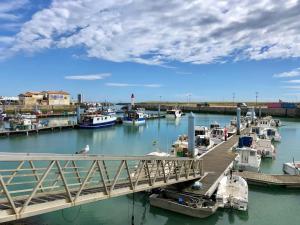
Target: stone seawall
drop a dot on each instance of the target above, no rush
(43, 108)
(280, 112)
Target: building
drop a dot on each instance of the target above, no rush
(31, 98)
(45, 98)
(57, 97)
(79, 98)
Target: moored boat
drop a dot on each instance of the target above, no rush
(184, 204)
(173, 113)
(96, 121)
(272, 134)
(247, 160)
(292, 168)
(233, 193)
(133, 117)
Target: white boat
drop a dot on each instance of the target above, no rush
(264, 123)
(276, 123)
(292, 168)
(214, 125)
(96, 121)
(233, 193)
(273, 122)
(173, 113)
(265, 148)
(203, 143)
(109, 111)
(249, 115)
(2, 116)
(92, 110)
(134, 117)
(247, 160)
(217, 135)
(202, 131)
(272, 134)
(28, 116)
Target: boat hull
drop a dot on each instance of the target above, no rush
(95, 126)
(289, 168)
(134, 122)
(168, 204)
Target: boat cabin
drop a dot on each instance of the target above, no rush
(201, 130)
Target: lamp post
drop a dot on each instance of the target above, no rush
(256, 96)
(233, 98)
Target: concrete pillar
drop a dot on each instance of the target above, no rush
(238, 121)
(78, 113)
(159, 109)
(252, 114)
(259, 112)
(191, 134)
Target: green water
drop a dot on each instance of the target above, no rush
(268, 206)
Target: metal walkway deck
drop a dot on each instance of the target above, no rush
(283, 180)
(215, 163)
(32, 184)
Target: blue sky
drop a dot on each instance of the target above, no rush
(107, 51)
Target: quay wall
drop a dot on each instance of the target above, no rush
(44, 108)
(227, 110)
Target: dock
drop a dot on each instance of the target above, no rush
(216, 162)
(37, 130)
(279, 180)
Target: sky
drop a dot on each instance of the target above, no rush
(170, 50)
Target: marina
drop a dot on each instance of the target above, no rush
(212, 169)
(149, 112)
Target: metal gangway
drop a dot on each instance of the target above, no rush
(33, 184)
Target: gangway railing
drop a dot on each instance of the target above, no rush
(33, 184)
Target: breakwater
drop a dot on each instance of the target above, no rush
(226, 110)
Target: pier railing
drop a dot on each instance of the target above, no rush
(32, 184)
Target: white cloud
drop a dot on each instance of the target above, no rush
(292, 81)
(157, 32)
(8, 8)
(292, 73)
(88, 76)
(292, 87)
(133, 85)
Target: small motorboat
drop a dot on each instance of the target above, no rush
(265, 148)
(272, 134)
(173, 113)
(247, 160)
(233, 193)
(217, 135)
(203, 143)
(292, 168)
(184, 204)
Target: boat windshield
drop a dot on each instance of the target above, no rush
(202, 141)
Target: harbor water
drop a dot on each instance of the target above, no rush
(267, 206)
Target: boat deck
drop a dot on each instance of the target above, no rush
(283, 180)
